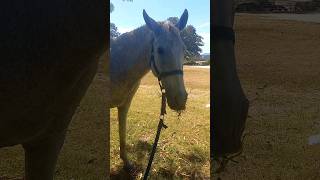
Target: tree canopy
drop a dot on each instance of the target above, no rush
(112, 6)
(113, 28)
(113, 31)
(192, 41)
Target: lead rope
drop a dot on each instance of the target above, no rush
(160, 126)
(224, 160)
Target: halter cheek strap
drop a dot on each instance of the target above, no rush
(159, 74)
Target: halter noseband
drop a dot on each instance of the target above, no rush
(159, 74)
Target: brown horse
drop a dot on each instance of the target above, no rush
(49, 55)
(155, 46)
(230, 104)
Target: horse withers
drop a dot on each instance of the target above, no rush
(156, 46)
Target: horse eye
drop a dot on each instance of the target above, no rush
(160, 50)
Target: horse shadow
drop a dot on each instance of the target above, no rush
(142, 149)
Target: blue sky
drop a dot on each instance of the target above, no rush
(128, 15)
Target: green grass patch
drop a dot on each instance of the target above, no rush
(184, 147)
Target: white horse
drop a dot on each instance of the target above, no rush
(155, 46)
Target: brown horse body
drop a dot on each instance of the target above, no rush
(231, 105)
(49, 56)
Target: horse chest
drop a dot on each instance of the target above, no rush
(120, 94)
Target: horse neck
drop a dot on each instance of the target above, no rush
(130, 56)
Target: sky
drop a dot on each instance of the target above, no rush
(128, 15)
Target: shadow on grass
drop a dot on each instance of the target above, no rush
(141, 150)
(193, 170)
(194, 162)
(121, 174)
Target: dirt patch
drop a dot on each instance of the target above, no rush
(278, 65)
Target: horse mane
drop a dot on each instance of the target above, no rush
(138, 33)
(127, 49)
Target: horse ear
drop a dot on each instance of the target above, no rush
(152, 24)
(183, 20)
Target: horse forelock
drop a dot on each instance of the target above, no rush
(168, 26)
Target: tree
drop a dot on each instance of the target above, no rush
(111, 7)
(191, 39)
(114, 31)
(113, 28)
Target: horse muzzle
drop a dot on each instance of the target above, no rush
(178, 102)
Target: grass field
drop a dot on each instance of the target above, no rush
(279, 67)
(183, 149)
(85, 153)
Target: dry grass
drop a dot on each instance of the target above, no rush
(84, 154)
(279, 67)
(183, 149)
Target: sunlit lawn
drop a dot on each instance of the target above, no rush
(183, 149)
